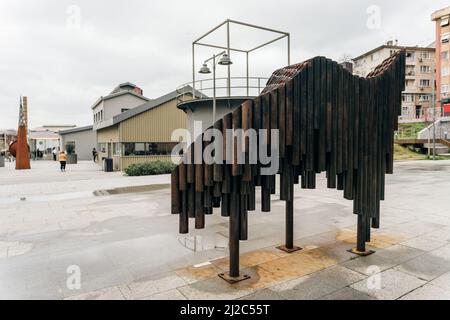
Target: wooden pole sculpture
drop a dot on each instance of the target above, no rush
(22, 152)
(327, 120)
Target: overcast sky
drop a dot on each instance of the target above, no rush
(64, 55)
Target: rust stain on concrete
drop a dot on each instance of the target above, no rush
(193, 274)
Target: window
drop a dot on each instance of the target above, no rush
(424, 97)
(410, 83)
(101, 147)
(410, 55)
(444, 88)
(445, 37)
(444, 55)
(444, 71)
(425, 55)
(410, 71)
(408, 98)
(147, 148)
(444, 21)
(116, 149)
(405, 111)
(424, 83)
(425, 69)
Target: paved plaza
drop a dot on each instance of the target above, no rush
(118, 232)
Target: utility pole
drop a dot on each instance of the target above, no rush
(433, 105)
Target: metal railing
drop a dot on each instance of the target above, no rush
(239, 87)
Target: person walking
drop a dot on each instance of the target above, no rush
(63, 160)
(54, 152)
(95, 154)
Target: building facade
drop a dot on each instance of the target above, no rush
(43, 139)
(142, 133)
(442, 20)
(83, 139)
(124, 97)
(420, 67)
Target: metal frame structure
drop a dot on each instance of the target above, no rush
(229, 49)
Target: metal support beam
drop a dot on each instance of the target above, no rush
(193, 71)
(229, 51)
(219, 47)
(361, 238)
(267, 43)
(289, 246)
(234, 276)
(247, 75)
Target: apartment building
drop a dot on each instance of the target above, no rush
(420, 66)
(442, 20)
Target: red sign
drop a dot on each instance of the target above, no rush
(447, 108)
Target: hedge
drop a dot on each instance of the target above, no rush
(150, 168)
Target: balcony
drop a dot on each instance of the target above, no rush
(196, 99)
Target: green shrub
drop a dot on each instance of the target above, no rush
(150, 168)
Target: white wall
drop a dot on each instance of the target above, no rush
(84, 142)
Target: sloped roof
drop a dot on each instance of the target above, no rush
(74, 130)
(118, 94)
(146, 107)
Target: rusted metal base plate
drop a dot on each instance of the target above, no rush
(361, 253)
(289, 250)
(233, 280)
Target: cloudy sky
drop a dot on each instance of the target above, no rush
(63, 54)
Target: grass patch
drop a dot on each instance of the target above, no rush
(410, 130)
(402, 153)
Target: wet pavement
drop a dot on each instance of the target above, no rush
(118, 232)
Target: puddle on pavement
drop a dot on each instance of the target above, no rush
(131, 189)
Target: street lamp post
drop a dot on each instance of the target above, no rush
(224, 61)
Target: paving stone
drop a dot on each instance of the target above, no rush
(426, 267)
(145, 288)
(347, 293)
(266, 295)
(368, 265)
(338, 276)
(192, 274)
(442, 234)
(392, 285)
(173, 294)
(397, 254)
(423, 243)
(442, 281)
(105, 294)
(304, 288)
(213, 289)
(427, 292)
(443, 252)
